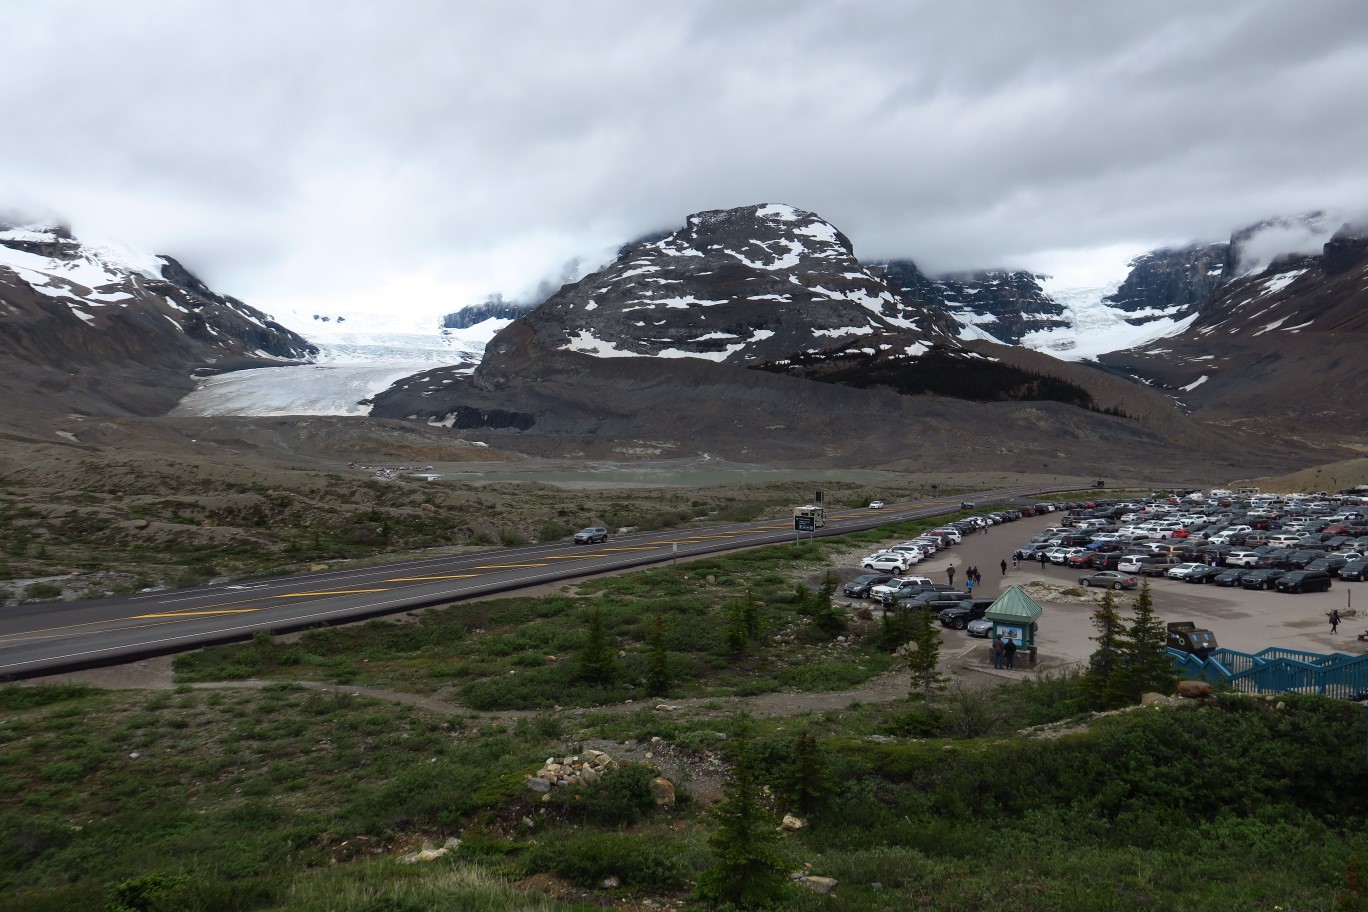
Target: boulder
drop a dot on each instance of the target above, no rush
(1193, 690)
(538, 784)
(1151, 698)
(819, 885)
(663, 791)
(791, 823)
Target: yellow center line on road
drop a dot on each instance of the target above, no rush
(575, 556)
(179, 614)
(418, 579)
(328, 592)
(507, 566)
(634, 548)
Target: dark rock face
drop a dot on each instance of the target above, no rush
(494, 308)
(1172, 283)
(113, 334)
(732, 286)
(1279, 350)
(1006, 305)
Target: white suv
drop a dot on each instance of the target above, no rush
(1242, 559)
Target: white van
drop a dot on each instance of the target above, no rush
(1284, 540)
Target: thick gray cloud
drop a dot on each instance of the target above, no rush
(424, 153)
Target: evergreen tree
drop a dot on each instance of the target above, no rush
(749, 873)
(1145, 666)
(805, 780)
(1102, 680)
(596, 662)
(743, 622)
(826, 619)
(658, 679)
(923, 653)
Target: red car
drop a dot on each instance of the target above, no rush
(1081, 561)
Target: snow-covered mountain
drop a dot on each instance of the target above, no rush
(88, 300)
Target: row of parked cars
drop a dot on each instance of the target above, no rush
(1291, 545)
(896, 590)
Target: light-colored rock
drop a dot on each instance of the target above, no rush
(1152, 697)
(791, 823)
(317, 568)
(663, 791)
(538, 784)
(819, 885)
(611, 883)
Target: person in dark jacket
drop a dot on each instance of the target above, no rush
(1009, 649)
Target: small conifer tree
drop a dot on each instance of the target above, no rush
(658, 679)
(748, 874)
(1102, 682)
(1145, 666)
(596, 662)
(805, 780)
(923, 654)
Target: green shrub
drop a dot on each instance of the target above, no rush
(619, 797)
(587, 859)
(38, 591)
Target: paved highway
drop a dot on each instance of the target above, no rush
(62, 636)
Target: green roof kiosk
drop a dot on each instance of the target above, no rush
(1014, 615)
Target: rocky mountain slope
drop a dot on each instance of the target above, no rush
(1280, 349)
(651, 354)
(102, 331)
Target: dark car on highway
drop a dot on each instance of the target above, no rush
(1261, 578)
(859, 587)
(1303, 581)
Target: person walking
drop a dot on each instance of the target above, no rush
(997, 652)
(1004, 566)
(1014, 561)
(969, 584)
(1009, 649)
(1334, 620)
(950, 575)
(978, 577)
(1041, 554)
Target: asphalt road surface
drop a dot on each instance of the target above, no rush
(49, 637)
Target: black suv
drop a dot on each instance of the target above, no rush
(911, 590)
(859, 587)
(1303, 581)
(935, 599)
(967, 610)
(1261, 578)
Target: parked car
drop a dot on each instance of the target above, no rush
(1354, 570)
(1232, 577)
(859, 587)
(1242, 558)
(591, 536)
(888, 561)
(959, 617)
(1109, 579)
(1303, 581)
(980, 628)
(1205, 575)
(1180, 571)
(1331, 564)
(935, 599)
(880, 591)
(1261, 578)
(1157, 565)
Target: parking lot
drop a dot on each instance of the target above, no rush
(1241, 619)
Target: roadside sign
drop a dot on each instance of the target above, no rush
(803, 524)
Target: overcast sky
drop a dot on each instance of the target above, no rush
(421, 154)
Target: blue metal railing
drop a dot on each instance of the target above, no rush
(1277, 670)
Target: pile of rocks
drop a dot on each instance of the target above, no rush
(575, 770)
